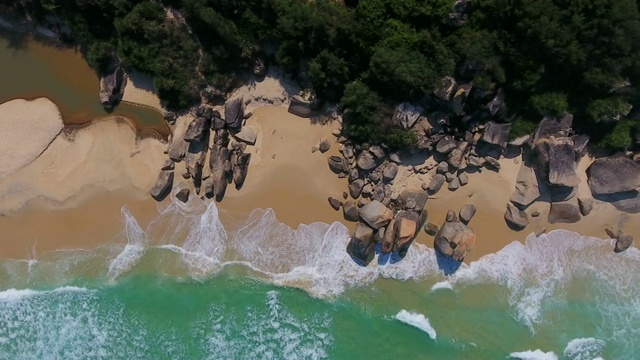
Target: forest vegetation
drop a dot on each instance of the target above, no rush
(548, 56)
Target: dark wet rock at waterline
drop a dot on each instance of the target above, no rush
(163, 185)
(183, 195)
(516, 219)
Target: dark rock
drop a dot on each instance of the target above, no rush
(221, 138)
(112, 87)
(366, 161)
(463, 178)
(361, 248)
(436, 184)
(376, 214)
(375, 177)
(451, 216)
(492, 163)
(218, 124)
(377, 152)
(414, 200)
(586, 205)
(197, 129)
(560, 161)
(389, 237)
(615, 174)
(345, 195)
(395, 158)
(390, 172)
(623, 242)
(407, 114)
(580, 143)
(240, 165)
(168, 165)
(301, 107)
(324, 146)
(446, 89)
(234, 113)
(213, 96)
(445, 145)
(564, 212)
(466, 213)
(455, 239)
(550, 126)
(163, 185)
(475, 161)
(449, 177)
(354, 174)
(350, 211)
(535, 214)
(628, 202)
(442, 168)
(497, 134)
(562, 193)
(355, 188)
(220, 166)
(378, 194)
(260, 65)
(431, 229)
(170, 116)
(337, 164)
(335, 203)
(496, 106)
(527, 189)
(460, 98)
(454, 184)
(515, 218)
(456, 156)
(183, 195)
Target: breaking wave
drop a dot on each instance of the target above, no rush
(417, 320)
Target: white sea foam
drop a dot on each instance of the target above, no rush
(442, 285)
(584, 349)
(133, 251)
(269, 334)
(534, 355)
(15, 294)
(417, 320)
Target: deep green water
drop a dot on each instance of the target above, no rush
(186, 288)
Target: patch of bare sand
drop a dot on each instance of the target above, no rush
(27, 127)
(140, 90)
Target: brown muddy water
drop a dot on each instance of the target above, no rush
(32, 68)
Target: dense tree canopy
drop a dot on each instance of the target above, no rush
(548, 56)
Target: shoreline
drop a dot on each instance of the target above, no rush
(284, 175)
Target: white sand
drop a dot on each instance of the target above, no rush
(141, 90)
(27, 127)
(100, 158)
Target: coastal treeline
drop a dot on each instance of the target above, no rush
(547, 56)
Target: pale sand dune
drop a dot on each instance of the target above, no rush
(141, 90)
(27, 127)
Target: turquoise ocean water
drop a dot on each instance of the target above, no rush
(187, 288)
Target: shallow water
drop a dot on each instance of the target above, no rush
(186, 287)
(34, 68)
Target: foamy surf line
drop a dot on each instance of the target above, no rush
(418, 321)
(15, 295)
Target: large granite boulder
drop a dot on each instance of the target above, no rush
(112, 86)
(361, 248)
(366, 161)
(455, 239)
(337, 164)
(466, 213)
(220, 166)
(564, 212)
(550, 126)
(234, 113)
(303, 105)
(615, 174)
(497, 134)
(436, 184)
(197, 130)
(163, 185)
(516, 218)
(240, 166)
(527, 189)
(375, 214)
(390, 172)
(556, 161)
(407, 114)
(405, 230)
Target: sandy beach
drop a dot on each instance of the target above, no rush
(74, 190)
(140, 90)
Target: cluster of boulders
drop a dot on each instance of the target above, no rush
(455, 238)
(391, 228)
(227, 160)
(112, 84)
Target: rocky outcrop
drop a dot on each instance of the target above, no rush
(527, 190)
(455, 239)
(234, 113)
(197, 130)
(497, 134)
(564, 212)
(516, 218)
(220, 166)
(163, 185)
(406, 115)
(361, 248)
(375, 214)
(112, 85)
(615, 174)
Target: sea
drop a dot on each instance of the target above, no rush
(185, 287)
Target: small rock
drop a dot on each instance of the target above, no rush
(345, 195)
(443, 168)
(535, 214)
(431, 229)
(454, 184)
(183, 195)
(324, 146)
(390, 172)
(451, 216)
(356, 187)
(586, 205)
(449, 177)
(395, 158)
(492, 163)
(516, 218)
(463, 178)
(436, 184)
(335, 203)
(168, 165)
